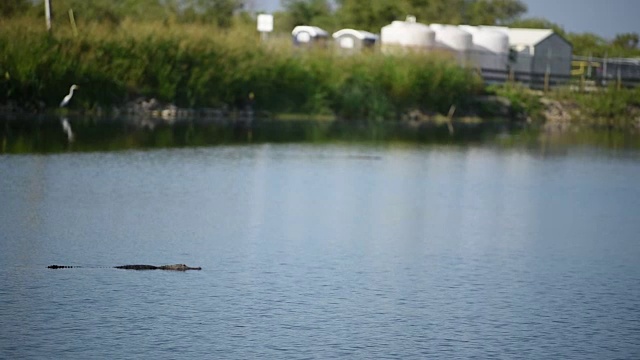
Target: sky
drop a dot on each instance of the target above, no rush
(601, 17)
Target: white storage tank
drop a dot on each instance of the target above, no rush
(407, 34)
(436, 27)
(455, 40)
(490, 52)
(502, 29)
(452, 37)
(469, 28)
(492, 40)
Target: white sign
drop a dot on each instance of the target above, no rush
(265, 23)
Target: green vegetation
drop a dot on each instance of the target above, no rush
(371, 15)
(206, 53)
(623, 45)
(201, 66)
(220, 12)
(610, 108)
(523, 101)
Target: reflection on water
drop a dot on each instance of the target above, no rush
(323, 250)
(42, 134)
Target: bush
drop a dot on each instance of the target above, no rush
(204, 66)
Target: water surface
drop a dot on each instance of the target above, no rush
(322, 251)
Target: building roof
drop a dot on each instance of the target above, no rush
(312, 30)
(360, 34)
(527, 37)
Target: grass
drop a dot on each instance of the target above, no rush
(608, 102)
(195, 65)
(203, 66)
(610, 107)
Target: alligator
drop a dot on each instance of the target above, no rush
(175, 267)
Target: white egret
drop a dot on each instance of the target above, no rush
(67, 98)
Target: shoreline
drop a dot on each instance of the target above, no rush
(208, 74)
(549, 112)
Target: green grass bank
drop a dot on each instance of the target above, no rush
(202, 66)
(568, 109)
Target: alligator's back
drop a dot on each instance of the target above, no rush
(137, 267)
(174, 267)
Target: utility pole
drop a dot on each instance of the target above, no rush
(47, 14)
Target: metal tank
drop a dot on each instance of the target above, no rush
(452, 37)
(454, 40)
(492, 40)
(490, 51)
(408, 33)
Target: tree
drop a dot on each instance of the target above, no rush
(370, 15)
(588, 44)
(108, 11)
(494, 12)
(306, 12)
(10, 8)
(627, 41)
(219, 12)
(437, 11)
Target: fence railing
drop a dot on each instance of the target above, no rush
(607, 71)
(545, 81)
(533, 80)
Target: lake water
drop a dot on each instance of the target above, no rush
(322, 251)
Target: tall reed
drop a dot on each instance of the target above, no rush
(203, 66)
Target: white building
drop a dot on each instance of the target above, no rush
(350, 39)
(308, 35)
(539, 51)
(529, 53)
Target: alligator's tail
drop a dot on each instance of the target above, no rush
(61, 267)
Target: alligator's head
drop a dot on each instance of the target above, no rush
(179, 267)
